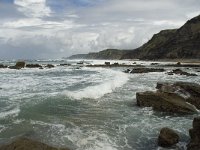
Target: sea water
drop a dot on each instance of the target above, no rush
(85, 108)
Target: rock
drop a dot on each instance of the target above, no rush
(127, 71)
(167, 137)
(49, 66)
(194, 143)
(107, 63)
(33, 66)
(178, 97)
(20, 64)
(164, 102)
(178, 63)
(65, 64)
(146, 70)
(180, 72)
(28, 144)
(116, 64)
(3, 66)
(153, 64)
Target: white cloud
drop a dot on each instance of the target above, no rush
(33, 8)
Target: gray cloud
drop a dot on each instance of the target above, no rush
(52, 29)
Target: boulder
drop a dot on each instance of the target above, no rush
(180, 72)
(28, 144)
(20, 64)
(33, 66)
(146, 70)
(127, 71)
(165, 102)
(167, 137)
(107, 63)
(194, 143)
(49, 66)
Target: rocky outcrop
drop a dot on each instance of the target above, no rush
(194, 143)
(3, 66)
(167, 137)
(18, 65)
(180, 97)
(28, 144)
(49, 66)
(146, 70)
(180, 72)
(33, 66)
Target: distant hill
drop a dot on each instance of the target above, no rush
(105, 54)
(182, 43)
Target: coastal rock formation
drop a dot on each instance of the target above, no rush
(49, 66)
(146, 70)
(18, 65)
(180, 72)
(28, 144)
(194, 143)
(33, 66)
(3, 66)
(180, 97)
(167, 137)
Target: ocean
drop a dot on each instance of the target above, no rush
(85, 108)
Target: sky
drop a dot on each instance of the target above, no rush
(40, 29)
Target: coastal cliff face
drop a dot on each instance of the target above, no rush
(171, 44)
(182, 43)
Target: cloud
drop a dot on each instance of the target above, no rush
(54, 29)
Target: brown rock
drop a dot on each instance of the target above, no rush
(194, 143)
(167, 137)
(20, 64)
(28, 144)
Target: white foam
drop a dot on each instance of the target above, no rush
(115, 80)
(13, 112)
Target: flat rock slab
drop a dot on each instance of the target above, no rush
(28, 144)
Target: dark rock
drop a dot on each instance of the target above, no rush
(127, 71)
(80, 63)
(20, 64)
(107, 63)
(153, 64)
(178, 63)
(167, 137)
(116, 64)
(194, 143)
(146, 70)
(165, 102)
(65, 64)
(3, 66)
(180, 72)
(33, 66)
(28, 144)
(13, 67)
(49, 66)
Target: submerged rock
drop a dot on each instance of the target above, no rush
(146, 70)
(179, 97)
(194, 143)
(167, 137)
(33, 66)
(3, 66)
(180, 72)
(28, 144)
(49, 66)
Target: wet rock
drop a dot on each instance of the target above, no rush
(20, 64)
(65, 64)
(146, 70)
(194, 143)
(153, 64)
(164, 102)
(167, 137)
(116, 64)
(3, 66)
(178, 63)
(49, 66)
(28, 144)
(180, 72)
(107, 63)
(127, 71)
(33, 66)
